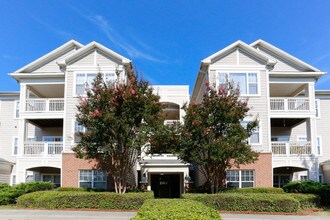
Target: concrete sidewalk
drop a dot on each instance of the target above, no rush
(25, 214)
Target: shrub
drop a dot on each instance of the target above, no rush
(71, 189)
(76, 199)
(308, 186)
(270, 190)
(4, 186)
(307, 201)
(167, 209)
(8, 194)
(259, 202)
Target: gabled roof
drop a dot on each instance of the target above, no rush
(50, 56)
(244, 47)
(3, 161)
(283, 54)
(88, 48)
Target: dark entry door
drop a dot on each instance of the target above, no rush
(165, 186)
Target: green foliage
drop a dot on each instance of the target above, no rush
(269, 190)
(213, 136)
(172, 209)
(8, 194)
(90, 200)
(308, 186)
(307, 201)
(119, 119)
(258, 202)
(77, 189)
(4, 186)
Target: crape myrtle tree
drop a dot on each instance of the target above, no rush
(119, 119)
(213, 136)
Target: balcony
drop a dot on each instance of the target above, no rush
(44, 105)
(291, 148)
(42, 149)
(289, 104)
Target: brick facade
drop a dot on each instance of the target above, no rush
(263, 170)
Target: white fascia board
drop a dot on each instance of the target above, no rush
(89, 47)
(19, 76)
(51, 54)
(243, 46)
(283, 54)
(297, 74)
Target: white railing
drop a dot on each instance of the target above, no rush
(291, 148)
(289, 104)
(44, 105)
(33, 148)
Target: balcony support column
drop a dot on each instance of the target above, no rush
(22, 134)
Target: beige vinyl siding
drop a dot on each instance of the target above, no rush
(52, 66)
(230, 59)
(323, 127)
(258, 104)
(281, 65)
(5, 171)
(299, 130)
(103, 60)
(247, 60)
(8, 129)
(87, 60)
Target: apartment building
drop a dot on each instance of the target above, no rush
(292, 137)
(37, 124)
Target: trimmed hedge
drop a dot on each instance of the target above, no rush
(76, 199)
(258, 202)
(167, 209)
(307, 201)
(308, 186)
(269, 190)
(9, 194)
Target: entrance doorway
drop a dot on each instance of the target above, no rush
(165, 186)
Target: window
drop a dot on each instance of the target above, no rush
(52, 138)
(56, 179)
(317, 108)
(318, 146)
(13, 180)
(247, 82)
(302, 138)
(321, 178)
(16, 113)
(84, 81)
(255, 136)
(303, 177)
(15, 145)
(78, 128)
(93, 179)
(240, 178)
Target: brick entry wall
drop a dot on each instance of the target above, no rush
(263, 170)
(70, 169)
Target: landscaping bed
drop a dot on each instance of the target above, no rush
(78, 199)
(167, 209)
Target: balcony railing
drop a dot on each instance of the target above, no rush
(44, 105)
(291, 148)
(34, 148)
(289, 104)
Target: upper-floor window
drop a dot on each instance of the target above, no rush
(84, 81)
(317, 108)
(247, 82)
(255, 136)
(16, 112)
(78, 128)
(318, 146)
(15, 146)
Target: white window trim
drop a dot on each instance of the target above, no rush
(321, 149)
(240, 178)
(241, 71)
(260, 132)
(92, 181)
(318, 107)
(13, 147)
(15, 108)
(74, 131)
(300, 175)
(86, 72)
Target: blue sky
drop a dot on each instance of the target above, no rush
(166, 39)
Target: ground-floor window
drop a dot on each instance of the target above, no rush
(93, 179)
(240, 178)
(281, 180)
(56, 179)
(303, 177)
